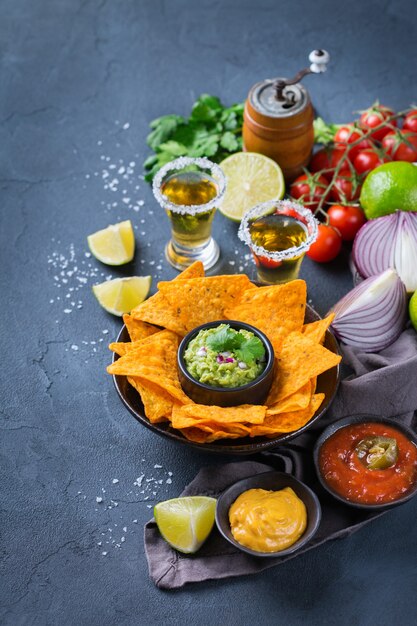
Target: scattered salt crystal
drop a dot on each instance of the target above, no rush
(99, 543)
(99, 499)
(104, 553)
(168, 481)
(125, 529)
(156, 466)
(126, 126)
(135, 521)
(122, 539)
(115, 480)
(170, 474)
(67, 310)
(149, 506)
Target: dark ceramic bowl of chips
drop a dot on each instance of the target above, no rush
(254, 392)
(270, 481)
(327, 383)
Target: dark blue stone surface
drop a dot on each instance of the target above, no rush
(80, 81)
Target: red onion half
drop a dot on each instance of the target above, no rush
(373, 314)
(389, 241)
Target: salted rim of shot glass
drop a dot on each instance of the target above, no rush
(265, 209)
(194, 209)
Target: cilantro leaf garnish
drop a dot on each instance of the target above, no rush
(250, 350)
(211, 130)
(246, 349)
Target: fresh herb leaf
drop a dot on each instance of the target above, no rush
(227, 339)
(212, 130)
(229, 142)
(324, 133)
(250, 350)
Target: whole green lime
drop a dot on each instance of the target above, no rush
(413, 310)
(390, 187)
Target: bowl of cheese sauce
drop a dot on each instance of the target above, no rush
(270, 514)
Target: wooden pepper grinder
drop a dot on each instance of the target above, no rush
(278, 118)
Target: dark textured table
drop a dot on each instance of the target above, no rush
(80, 82)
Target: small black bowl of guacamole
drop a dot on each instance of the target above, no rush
(226, 363)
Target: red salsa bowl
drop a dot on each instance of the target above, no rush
(368, 462)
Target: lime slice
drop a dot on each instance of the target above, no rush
(121, 295)
(389, 187)
(413, 310)
(185, 523)
(114, 245)
(251, 178)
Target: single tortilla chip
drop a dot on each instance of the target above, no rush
(300, 360)
(155, 361)
(197, 301)
(287, 422)
(276, 310)
(300, 399)
(123, 347)
(316, 331)
(156, 402)
(137, 329)
(158, 310)
(207, 433)
(195, 414)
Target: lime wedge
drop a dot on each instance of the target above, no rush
(413, 310)
(185, 523)
(251, 178)
(121, 295)
(114, 245)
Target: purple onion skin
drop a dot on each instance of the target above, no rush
(387, 329)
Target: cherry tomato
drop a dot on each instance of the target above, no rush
(325, 161)
(368, 159)
(346, 188)
(309, 188)
(327, 245)
(269, 263)
(395, 145)
(347, 219)
(374, 116)
(410, 121)
(348, 134)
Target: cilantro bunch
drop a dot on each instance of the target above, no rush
(212, 130)
(246, 349)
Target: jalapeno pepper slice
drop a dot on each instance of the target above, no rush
(377, 453)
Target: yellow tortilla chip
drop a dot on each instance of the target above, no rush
(287, 422)
(155, 361)
(300, 399)
(156, 402)
(207, 433)
(300, 360)
(137, 329)
(316, 331)
(196, 414)
(276, 310)
(157, 309)
(199, 300)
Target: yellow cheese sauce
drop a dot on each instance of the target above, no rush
(268, 521)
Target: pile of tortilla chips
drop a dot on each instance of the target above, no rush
(157, 326)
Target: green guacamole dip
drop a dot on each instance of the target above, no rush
(221, 365)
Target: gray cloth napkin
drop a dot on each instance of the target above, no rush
(383, 384)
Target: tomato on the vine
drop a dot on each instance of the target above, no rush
(401, 146)
(346, 188)
(327, 245)
(347, 135)
(410, 121)
(348, 219)
(368, 159)
(309, 188)
(326, 159)
(265, 262)
(374, 116)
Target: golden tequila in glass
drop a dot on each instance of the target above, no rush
(190, 190)
(279, 233)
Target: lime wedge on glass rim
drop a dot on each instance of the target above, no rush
(121, 295)
(185, 523)
(114, 245)
(251, 178)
